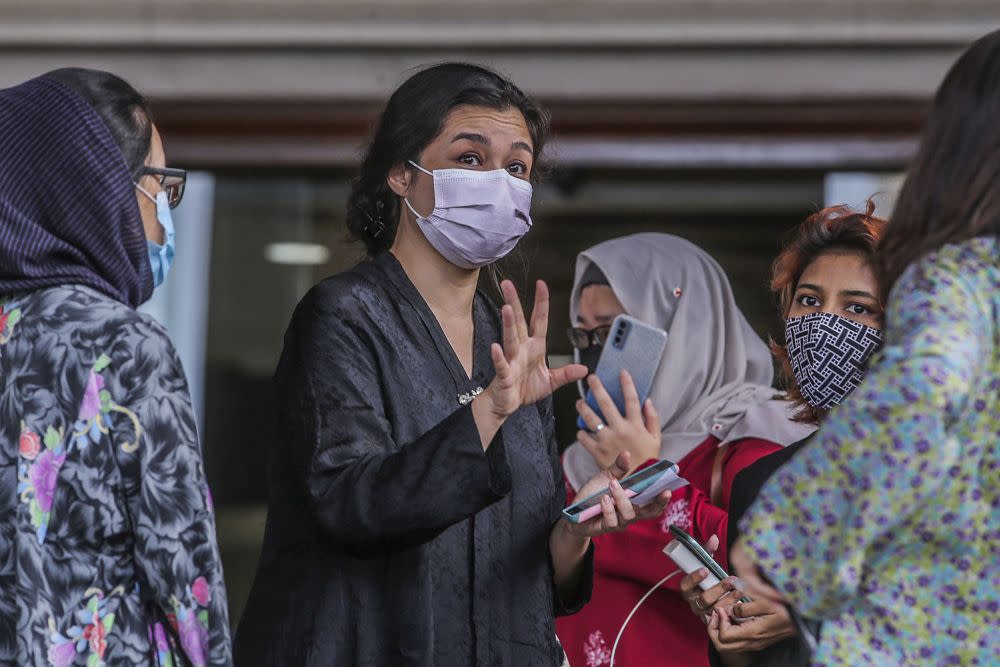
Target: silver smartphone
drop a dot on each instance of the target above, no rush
(633, 346)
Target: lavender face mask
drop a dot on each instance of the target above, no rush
(478, 216)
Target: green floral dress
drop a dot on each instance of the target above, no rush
(887, 526)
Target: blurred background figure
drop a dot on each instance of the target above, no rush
(723, 123)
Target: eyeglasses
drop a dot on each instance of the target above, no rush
(171, 180)
(582, 339)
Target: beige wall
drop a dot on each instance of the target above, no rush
(600, 56)
(562, 49)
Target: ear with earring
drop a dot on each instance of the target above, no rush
(376, 225)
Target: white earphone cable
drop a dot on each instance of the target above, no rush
(614, 649)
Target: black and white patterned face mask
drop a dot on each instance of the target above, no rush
(828, 353)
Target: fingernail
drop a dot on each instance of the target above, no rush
(738, 584)
(702, 572)
(616, 485)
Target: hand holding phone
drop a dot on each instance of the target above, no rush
(633, 346)
(690, 556)
(637, 430)
(641, 487)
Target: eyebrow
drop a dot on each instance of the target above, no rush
(482, 139)
(846, 292)
(473, 137)
(858, 292)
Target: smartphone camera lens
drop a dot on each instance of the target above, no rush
(620, 335)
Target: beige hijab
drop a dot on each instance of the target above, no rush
(715, 375)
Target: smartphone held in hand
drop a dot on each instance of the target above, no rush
(642, 487)
(690, 556)
(632, 346)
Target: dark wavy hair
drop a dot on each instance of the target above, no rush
(123, 109)
(952, 190)
(412, 119)
(832, 229)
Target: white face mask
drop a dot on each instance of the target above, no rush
(478, 216)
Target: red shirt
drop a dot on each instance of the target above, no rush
(627, 564)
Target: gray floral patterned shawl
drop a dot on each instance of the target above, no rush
(107, 541)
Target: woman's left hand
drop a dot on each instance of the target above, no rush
(764, 622)
(523, 376)
(636, 432)
(617, 511)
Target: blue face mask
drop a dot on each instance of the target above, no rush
(161, 256)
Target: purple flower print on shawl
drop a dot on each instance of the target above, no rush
(43, 474)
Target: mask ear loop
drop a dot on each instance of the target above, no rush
(429, 173)
(412, 210)
(167, 231)
(144, 191)
(407, 201)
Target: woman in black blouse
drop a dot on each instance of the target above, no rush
(414, 516)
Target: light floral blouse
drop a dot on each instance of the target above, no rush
(108, 553)
(887, 525)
